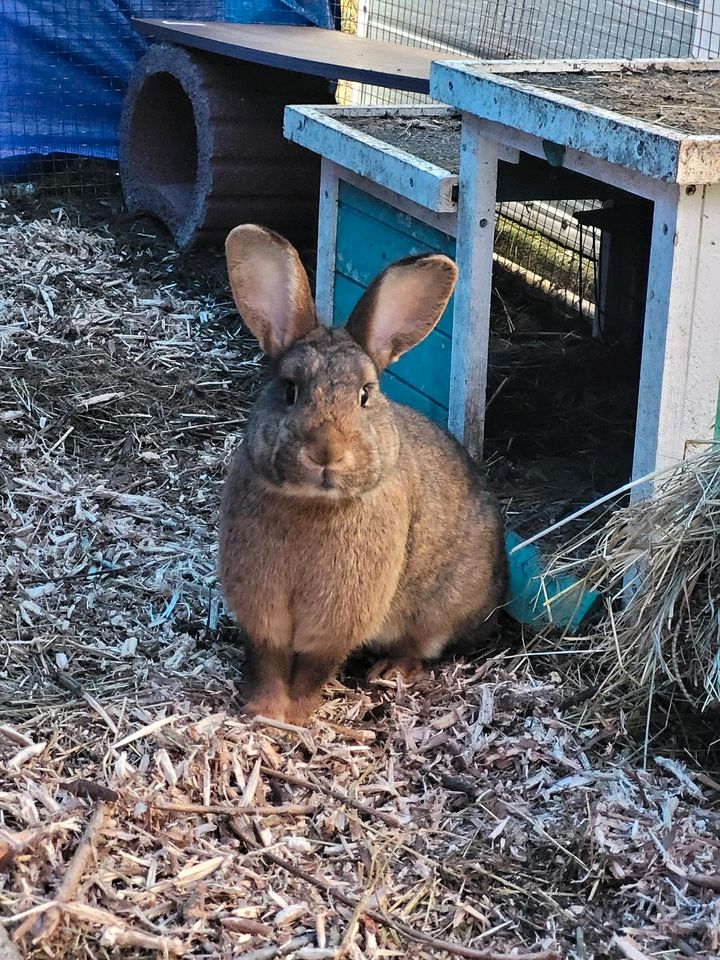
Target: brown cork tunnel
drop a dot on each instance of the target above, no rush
(202, 148)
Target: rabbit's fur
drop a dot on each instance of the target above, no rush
(347, 519)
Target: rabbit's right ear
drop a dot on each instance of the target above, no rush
(270, 287)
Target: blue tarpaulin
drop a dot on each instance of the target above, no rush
(64, 66)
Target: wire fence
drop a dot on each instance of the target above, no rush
(527, 29)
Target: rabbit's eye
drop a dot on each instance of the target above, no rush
(290, 392)
(364, 396)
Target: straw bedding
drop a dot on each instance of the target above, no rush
(662, 554)
(479, 813)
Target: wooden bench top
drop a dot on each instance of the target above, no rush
(323, 53)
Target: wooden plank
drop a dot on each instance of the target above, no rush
(340, 111)
(427, 367)
(557, 119)
(669, 301)
(680, 373)
(326, 243)
(393, 239)
(471, 316)
(436, 231)
(653, 150)
(380, 244)
(347, 294)
(700, 342)
(410, 111)
(618, 177)
(532, 178)
(578, 65)
(426, 183)
(323, 53)
(443, 222)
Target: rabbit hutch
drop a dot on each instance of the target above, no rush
(400, 180)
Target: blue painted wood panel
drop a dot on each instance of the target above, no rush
(346, 294)
(401, 392)
(423, 233)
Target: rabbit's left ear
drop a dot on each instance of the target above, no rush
(270, 287)
(402, 305)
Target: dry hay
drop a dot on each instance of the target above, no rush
(141, 816)
(656, 565)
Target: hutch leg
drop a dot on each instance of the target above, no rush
(471, 317)
(327, 235)
(680, 373)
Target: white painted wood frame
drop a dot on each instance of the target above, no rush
(326, 242)
(680, 374)
(474, 257)
(322, 130)
(654, 150)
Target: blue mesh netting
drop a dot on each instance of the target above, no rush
(64, 66)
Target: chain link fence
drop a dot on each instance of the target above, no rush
(528, 29)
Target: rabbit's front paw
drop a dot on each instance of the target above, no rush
(274, 708)
(300, 711)
(386, 668)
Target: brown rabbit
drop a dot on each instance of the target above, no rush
(347, 519)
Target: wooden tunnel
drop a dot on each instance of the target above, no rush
(202, 148)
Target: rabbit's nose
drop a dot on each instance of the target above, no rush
(327, 448)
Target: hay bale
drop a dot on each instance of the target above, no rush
(656, 564)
